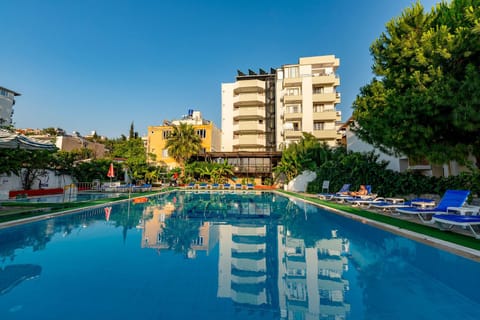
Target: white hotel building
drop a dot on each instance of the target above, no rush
(267, 111)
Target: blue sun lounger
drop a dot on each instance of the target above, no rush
(390, 205)
(451, 198)
(329, 196)
(448, 221)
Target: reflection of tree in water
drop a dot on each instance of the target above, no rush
(180, 232)
(38, 234)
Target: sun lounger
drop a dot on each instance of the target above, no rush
(451, 198)
(191, 185)
(328, 196)
(391, 204)
(365, 202)
(448, 221)
(349, 198)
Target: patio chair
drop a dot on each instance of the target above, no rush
(451, 198)
(249, 186)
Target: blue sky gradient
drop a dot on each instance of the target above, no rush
(103, 64)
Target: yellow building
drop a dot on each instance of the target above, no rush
(158, 135)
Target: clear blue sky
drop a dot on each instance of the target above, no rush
(85, 65)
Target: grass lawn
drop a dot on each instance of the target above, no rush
(428, 230)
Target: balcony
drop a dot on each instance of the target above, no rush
(290, 99)
(326, 116)
(325, 97)
(292, 82)
(326, 79)
(249, 99)
(249, 127)
(326, 134)
(245, 86)
(249, 140)
(248, 113)
(293, 116)
(293, 134)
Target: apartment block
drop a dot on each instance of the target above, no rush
(7, 101)
(157, 137)
(268, 111)
(248, 112)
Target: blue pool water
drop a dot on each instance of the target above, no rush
(226, 256)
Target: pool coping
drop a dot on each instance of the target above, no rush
(457, 249)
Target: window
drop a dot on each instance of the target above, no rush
(293, 91)
(166, 134)
(318, 90)
(318, 107)
(318, 125)
(202, 133)
(293, 108)
(296, 126)
(291, 72)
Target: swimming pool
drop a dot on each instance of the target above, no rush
(69, 197)
(226, 256)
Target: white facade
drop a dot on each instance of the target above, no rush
(268, 111)
(227, 117)
(398, 164)
(7, 100)
(307, 97)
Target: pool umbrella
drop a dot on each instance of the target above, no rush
(111, 172)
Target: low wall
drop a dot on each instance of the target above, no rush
(34, 193)
(49, 181)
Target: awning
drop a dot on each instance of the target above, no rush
(9, 140)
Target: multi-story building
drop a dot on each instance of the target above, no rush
(7, 100)
(248, 112)
(158, 135)
(306, 100)
(268, 111)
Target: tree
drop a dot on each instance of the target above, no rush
(183, 143)
(425, 101)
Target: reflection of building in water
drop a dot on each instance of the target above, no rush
(311, 278)
(245, 273)
(153, 223)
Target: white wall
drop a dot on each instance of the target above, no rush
(49, 181)
(356, 145)
(227, 117)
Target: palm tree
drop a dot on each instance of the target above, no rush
(183, 143)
